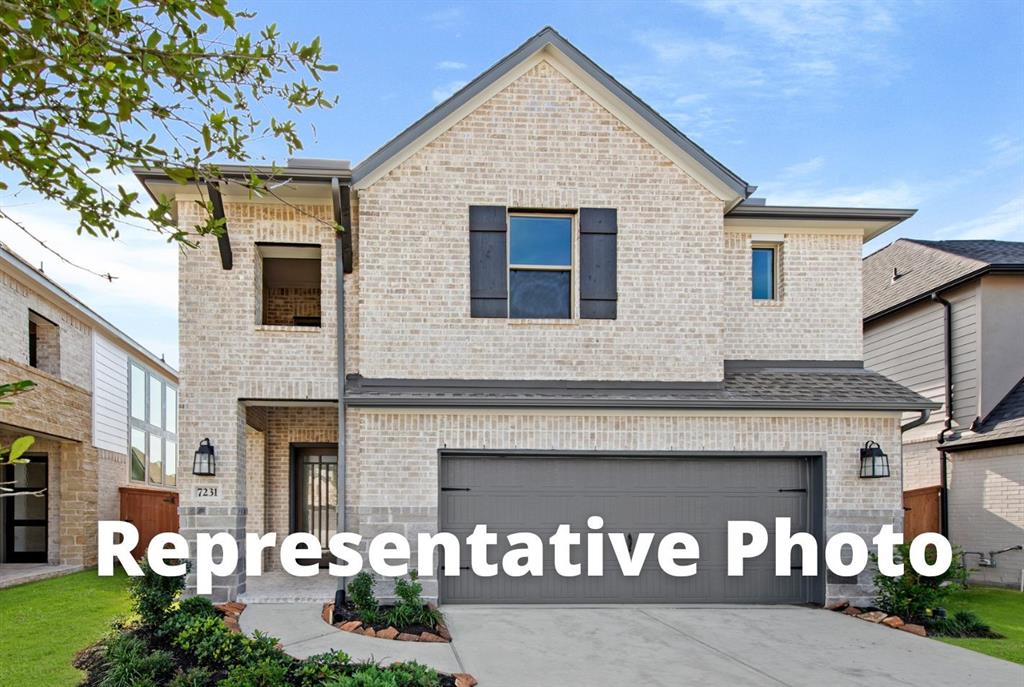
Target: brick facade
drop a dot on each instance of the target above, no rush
(986, 509)
(684, 307)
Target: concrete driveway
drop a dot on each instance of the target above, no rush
(657, 645)
(654, 645)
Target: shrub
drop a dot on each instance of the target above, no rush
(194, 677)
(360, 591)
(153, 595)
(367, 676)
(316, 670)
(128, 662)
(414, 674)
(213, 645)
(266, 673)
(193, 607)
(911, 595)
(410, 608)
(962, 624)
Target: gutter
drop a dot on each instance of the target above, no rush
(342, 216)
(947, 424)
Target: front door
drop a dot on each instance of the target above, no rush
(25, 508)
(315, 489)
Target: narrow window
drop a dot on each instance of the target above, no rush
(43, 344)
(540, 266)
(153, 406)
(138, 467)
(138, 392)
(764, 268)
(289, 288)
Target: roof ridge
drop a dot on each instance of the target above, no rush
(925, 243)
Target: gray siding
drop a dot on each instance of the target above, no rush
(907, 347)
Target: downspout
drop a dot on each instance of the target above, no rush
(947, 425)
(343, 217)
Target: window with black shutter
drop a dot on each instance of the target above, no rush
(523, 264)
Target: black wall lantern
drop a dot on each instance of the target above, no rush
(873, 461)
(205, 461)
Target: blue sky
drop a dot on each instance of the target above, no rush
(909, 104)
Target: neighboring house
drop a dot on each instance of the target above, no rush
(103, 413)
(554, 305)
(933, 304)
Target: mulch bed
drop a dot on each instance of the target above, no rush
(351, 622)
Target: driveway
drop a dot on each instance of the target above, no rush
(659, 645)
(655, 645)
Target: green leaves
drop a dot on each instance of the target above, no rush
(89, 89)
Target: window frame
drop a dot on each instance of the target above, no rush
(776, 248)
(286, 251)
(152, 433)
(571, 268)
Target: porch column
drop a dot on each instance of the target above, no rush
(213, 503)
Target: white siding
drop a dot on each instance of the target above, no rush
(109, 396)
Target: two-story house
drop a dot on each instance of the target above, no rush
(548, 304)
(103, 413)
(946, 318)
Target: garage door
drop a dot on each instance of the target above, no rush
(656, 493)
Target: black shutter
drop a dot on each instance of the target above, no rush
(598, 237)
(488, 267)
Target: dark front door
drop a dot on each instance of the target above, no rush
(25, 529)
(315, 492)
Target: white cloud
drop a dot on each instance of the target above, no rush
(1003, 222)
(691, 99)
(801, 169)
(450, 66)
(442, 93)
(895, 194)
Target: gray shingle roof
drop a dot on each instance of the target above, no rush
(768, 385)
(925, 266)
(1005, 422)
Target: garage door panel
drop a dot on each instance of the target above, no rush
(633, 494)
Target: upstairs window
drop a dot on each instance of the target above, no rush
(764, 272)
(540, 264)
(288, 284)
(43, 344)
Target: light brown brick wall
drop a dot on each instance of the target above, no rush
(540, 143)
(817, 313)
(921, 466)
(282, 305)
(986, 509)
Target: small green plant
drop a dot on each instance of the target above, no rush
(153, 595)
(410, 608)
(911, 595)
(266, 673)
(360, 591)
(962, 624)
(367, 676)
(414, 674)
(193, 607)
(129, 662)
(194, 677)
(321, 668)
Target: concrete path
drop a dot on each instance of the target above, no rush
(656, 645)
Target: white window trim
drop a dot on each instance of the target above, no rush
(776, 247)
(570, 268)
(151, 431)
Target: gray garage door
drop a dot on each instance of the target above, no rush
(656, 493)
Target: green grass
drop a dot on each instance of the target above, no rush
(44, 624)
(1003, 610)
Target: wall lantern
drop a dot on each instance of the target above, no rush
(205, 461)
(873, 461)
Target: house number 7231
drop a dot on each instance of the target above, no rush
(207, 492)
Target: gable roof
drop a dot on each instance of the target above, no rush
(1005, 424)
(928, 266)
(546, 39)
(42, 283)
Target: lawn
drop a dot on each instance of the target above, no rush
(1003, 610)
(46, 623)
